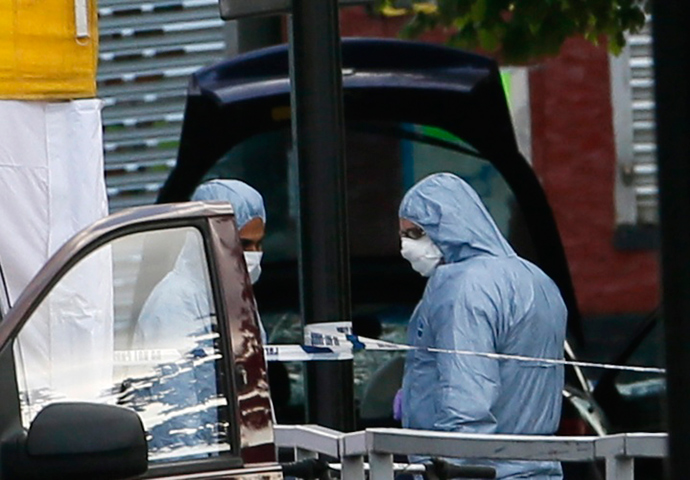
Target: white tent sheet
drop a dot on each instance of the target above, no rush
(51, 186)
(51, 180)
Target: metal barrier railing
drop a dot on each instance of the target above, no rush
(378, 445)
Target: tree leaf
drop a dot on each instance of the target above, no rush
(525, 29)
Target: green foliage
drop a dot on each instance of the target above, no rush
(522, 30)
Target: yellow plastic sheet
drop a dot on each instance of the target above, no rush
(41, 56)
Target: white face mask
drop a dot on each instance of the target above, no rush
(422, 254)
(253, 261)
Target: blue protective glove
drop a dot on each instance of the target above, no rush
(397, 405)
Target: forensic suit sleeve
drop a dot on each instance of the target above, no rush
(462, 317)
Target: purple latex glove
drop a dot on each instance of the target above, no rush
(397, 405)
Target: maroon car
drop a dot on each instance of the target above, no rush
(70, 359)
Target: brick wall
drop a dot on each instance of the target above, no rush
(574, 157)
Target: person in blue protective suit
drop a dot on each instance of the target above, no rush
(250, 215)
(181, 294)
(179, 314)
(480, 297)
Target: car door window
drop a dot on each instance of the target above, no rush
(87, 342)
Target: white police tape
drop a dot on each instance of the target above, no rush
(322, 341)
(330, 334)
(335, 341)
(145, 357)
(304, 353)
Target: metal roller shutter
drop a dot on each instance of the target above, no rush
(644, 141)
(147, 52)
(632, 81)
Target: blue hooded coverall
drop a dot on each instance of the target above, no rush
(482, 298)
(246, 202)
(182, 294)
(180, 309)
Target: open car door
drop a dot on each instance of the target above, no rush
(89, 389)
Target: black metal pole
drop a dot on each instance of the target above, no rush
(318, 127)
(671, 49)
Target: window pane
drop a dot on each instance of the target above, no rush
(89, 341)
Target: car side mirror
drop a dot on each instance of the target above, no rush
(77, 441)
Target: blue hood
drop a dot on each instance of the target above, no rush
(454, 217)
(245, 200)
